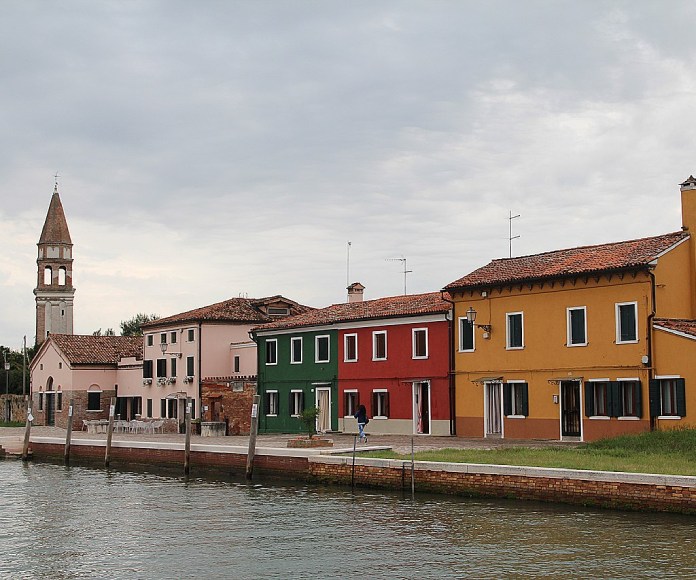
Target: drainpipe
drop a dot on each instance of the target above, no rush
(200, 367)
(651, 366)
(450, 371)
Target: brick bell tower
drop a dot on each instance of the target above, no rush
(54, 289)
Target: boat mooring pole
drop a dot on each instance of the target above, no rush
(252, 436)
(413, 471)
(68, 434)
(187, 446)
(109, 432)
(27, 430)
(352, 473)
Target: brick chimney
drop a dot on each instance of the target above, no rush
(355, 292)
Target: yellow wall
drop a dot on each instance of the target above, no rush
(676, 356)
(672, 283)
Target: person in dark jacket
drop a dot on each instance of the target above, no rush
(361, 416)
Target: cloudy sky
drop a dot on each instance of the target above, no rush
(215, 148)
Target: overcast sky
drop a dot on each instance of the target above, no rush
(211, 149)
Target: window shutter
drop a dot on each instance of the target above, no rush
(654, 393)
(507, 399)
(345, 403)
(386, 404)
(290, 401)
(302, 407)
(614, 401)
(589, 399)
(357, 400)
(525, 399)
(681, 397)
(639, 400)
(373, 411)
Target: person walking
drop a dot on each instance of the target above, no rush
(361, 416)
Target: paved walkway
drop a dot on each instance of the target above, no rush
(11, 439)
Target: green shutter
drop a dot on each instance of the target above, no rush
(386, 404)
(589, 399)
(681, 397)
(639, 400)
(614, 402)
(507, 399)
(525, 399)
(654, 393)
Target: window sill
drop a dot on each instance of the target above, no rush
(669, 417)
(599, 417)
(514, 348)
(269, 415)
(467, 350)
(419, 358)
(627, 342)
(378, 417)
(352, 360)
(319, 362)
(628, 418)
(378, 359)
(295, 362)
(515, 416)
(271, 364)
(93, 411)
(575, 345)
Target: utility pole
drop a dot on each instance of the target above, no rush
(24, 366)
(403, 261)
(511, 237)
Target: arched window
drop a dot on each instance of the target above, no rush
(94, 398)
(49, 384)
(48, 275)
(61, 276)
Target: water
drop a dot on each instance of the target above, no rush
(79, 522)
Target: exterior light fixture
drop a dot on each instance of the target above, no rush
(471, 319)
(163, 346)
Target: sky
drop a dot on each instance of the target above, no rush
(212, 149)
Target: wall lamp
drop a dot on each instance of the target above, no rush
(471, 319)
(163, 348)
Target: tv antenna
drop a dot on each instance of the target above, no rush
(511, 237)
(403, 261)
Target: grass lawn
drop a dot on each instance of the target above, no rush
(666, 452)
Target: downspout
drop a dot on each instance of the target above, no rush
(450, 371)
(200, 369)
(651, 366)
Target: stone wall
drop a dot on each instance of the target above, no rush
(80, 412)
(229, 401)
(17, 408)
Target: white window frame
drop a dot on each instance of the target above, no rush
(328, 348)
(277, 401)
(413, 343)
(507, 330)
(617, 310)
(191, 335)
(293, 340)
(473, 336)
(569, 326)
(387, 393)
(345, 347)
(628, 380)
(350, 392)
(513, 392)
(666, 378)
(273, 341)
(294, 393)
(374, 344)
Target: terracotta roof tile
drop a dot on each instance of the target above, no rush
(571, 262)
(241, 310)
(390, 307)
(98, 350)
(677, 324)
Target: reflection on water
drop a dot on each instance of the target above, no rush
(80, 522)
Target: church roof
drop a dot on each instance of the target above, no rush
(55, 229)
(82, 349)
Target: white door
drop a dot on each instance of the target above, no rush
(323, 403)
(493, 409)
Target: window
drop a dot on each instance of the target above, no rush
(516, 399)
(40, 401)
(296, 350)
(466, 335)
(296, 403)
(94, 401)
(604, 398)
(277, 311)
(626, 322)
(272, 351)
(350, 348)
(190, 335)
(379, 345)
(149, 408)
(597, 399)
(419, 338)
(48, 275)
(163, 408)
(61, 276)
(515, 332)
(172, 337)
(149, 340)
(380, 403)
(59, 401)
(577, 327)
(321, 349)
(351, 402)
(163, 338)
(172, 366)
(668, 397)
(271, 405)
(236, 363)
(161, 367)
(189, 366)
(172, 408)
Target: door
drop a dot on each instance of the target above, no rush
(50, 409)
(570, 408)
(421, 408)
(493, 412)
(323, 403)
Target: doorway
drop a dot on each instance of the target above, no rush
(50, 409)
(493, 409)
(323, 402)
(570, 409)
(421, 408)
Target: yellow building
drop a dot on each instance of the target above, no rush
(582, 343)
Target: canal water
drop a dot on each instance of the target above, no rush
(80, 522)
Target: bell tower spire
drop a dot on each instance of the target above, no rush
(54, 288)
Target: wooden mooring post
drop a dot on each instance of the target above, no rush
(252, 436)
(352, 471)
(27, 431)
(187, 445)
(68, 434)
(110, 432)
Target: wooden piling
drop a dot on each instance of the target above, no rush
(413, 471)
(27, 431)
(68, 434)
(352, 471)
(187, 445)
(252, 436)
(110, 432)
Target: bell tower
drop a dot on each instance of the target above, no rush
(54, 286)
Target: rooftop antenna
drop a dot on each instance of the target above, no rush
(511, 237)
(348, 266)
(403, 261)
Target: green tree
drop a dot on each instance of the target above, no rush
(308, 418)
(107, 332)
(132, 327)
(14, 358)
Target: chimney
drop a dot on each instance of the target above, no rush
(355, 292)
(688, 202)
